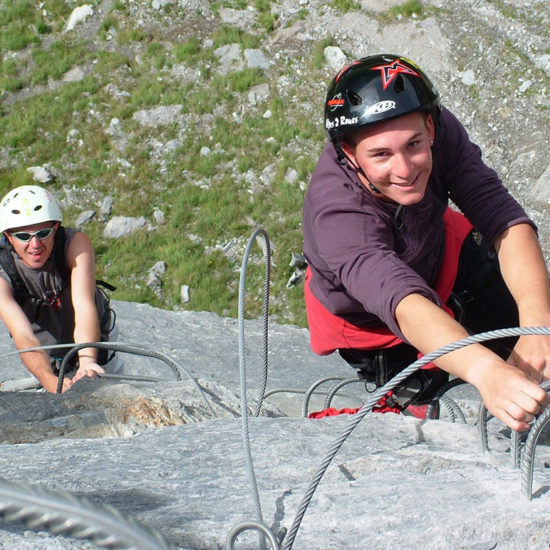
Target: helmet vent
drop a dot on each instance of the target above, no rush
(353, 98)
(16, 211)
(37, 208)
(399, 85)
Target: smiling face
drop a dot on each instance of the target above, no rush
(35, 253)
(395, 157)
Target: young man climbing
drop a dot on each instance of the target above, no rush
(48, 292)
(394, 272)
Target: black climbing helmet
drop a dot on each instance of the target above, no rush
(376, 88)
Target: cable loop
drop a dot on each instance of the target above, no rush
(137, 350)
(176, 368)
(242, 364)
(238, 529)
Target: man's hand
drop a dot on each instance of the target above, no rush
(507, 391)
(49, 383)
(90, 369)
(510, 394)
(531, 354)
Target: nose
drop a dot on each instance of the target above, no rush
(35, 241)
(402, 166)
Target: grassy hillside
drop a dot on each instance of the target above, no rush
(224, 166)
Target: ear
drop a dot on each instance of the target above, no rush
(431, 127)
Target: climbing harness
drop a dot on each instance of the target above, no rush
(22, 294)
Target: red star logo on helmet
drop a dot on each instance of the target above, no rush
(391, 70)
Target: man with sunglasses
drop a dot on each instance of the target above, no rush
(59, 302)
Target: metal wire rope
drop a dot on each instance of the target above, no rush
(92, 344)
(140, 350)
(265, 314)
(380, 392)
(312, 388)
(527, 463)
(516, 438)
(137, 350)
(238, 529)
(242, 371)
(340, 385)
(62, 513)
(132, 377)
(176, 368)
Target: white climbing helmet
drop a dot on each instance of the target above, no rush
(28, 205)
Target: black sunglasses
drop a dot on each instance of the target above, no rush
(26, 236)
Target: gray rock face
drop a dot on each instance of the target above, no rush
(120, 226)
(155, 453)
(158, 116)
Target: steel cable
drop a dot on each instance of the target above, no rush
(242, 372)
(380, 392)
(265, 316)
(312, 388)
(66, 514)
(527, 462)
(340, 385)
(118, 346)
(136, 350)
(176, 368)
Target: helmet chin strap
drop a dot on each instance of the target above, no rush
(359, 170)
(371, 186)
